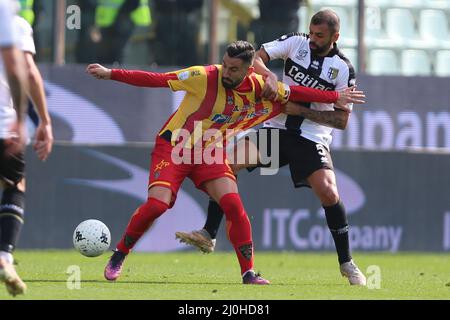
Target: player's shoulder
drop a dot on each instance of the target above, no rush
(342, 61)
(23, 29)
(192, 72)
(22, 25)
(293, 36)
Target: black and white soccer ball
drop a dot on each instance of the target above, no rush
(91, 238)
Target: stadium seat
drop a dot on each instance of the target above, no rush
(410, 3)
(415, 63)
(352, 55)
(442, 66)
(378, 3)
(400, 25)
(383, 62)
(437, 4)
(373, 27)
(434, 27)
(348, 25)
(345, 3)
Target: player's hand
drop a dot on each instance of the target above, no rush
(98, 71)
(16, 143)
(349, 95)
(270, 88)
(44, 141)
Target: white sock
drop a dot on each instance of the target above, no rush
(7, 256)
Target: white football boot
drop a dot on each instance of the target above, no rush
(352, 272)
(198, 238)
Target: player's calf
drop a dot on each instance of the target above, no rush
(11, 218)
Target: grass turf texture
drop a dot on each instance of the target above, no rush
(193, 276)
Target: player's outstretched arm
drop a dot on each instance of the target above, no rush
(341, 98)
(136, 78)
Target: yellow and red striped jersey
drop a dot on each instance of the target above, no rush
(209, 105)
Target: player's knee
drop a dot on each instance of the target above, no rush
(328, 195)
(153, 208)
(232, 206)
(13, 204)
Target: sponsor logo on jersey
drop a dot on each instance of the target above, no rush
(301, 54)
(223, 118)
(183, 75)
(195, 73)
(301, 76)
(315, 64)
(220, 118)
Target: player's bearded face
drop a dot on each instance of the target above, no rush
(233, 72)
(321, 39)
(229, 83)
(319, 49)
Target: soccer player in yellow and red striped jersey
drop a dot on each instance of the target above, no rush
(219, 97)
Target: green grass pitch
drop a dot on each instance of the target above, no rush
(194, 276)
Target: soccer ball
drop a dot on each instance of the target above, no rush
(91, 238)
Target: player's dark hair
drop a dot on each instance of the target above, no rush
(329, 17)
(242, 50)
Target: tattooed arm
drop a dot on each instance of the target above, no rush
(336, 119)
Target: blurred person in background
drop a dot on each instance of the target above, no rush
(277, 17)
(88, 35)
(116, 20)
(13, 85)
(12, 164)
(177, 27)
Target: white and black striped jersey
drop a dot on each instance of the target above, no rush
(301, 67)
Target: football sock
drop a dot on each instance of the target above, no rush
(139, 223)
(239, 229)
(11, 218)
(338, 225)
(213, 219)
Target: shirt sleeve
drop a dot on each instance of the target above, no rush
(191, 79)
(24, 33)
(283, 93)
(140, 78)
(346, 78)
(284, 46)
(7, 35)
(305, 94)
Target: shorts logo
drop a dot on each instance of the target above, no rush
(333, 73)
(321, 151)
(159, 167)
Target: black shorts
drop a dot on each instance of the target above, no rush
(303, 156)
(12, 167)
